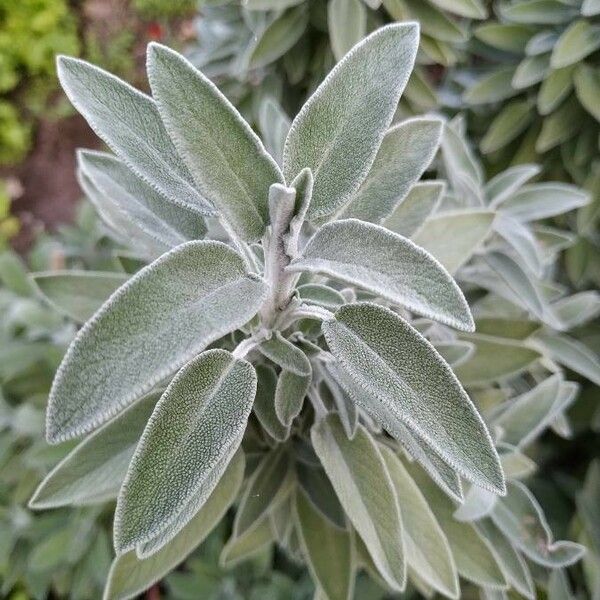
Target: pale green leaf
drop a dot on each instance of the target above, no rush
(388, 265)
(94, 470)
(321, 295)
(427, 549)
(492, 87)
(590, 8)
(195, 428)
(329, 551)
(274, 125)
(472, 9)
(454, 353)
(162, 317)
(285, 354)
(510, 37)
(226, 158)
(404, 374)
(129, 575)
(128, 121)
(510, 122)
(505, 184)
(269, 4)
(522, 241)
(339, 130)
(554, 89)
(413, 210)
(406, 151)
(587, 88)
(579, 40)
(538, 12)
(453, 237)
(478, 504)
(435, 23)
(347, 23)
(359, 476)
(531, 70)
(78, 294)
(264, 404)
(241, 548)
(577, 309)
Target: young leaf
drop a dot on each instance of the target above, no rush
(453, 237)
(128, 121)
(78, 294)
(162, 317)
(226, 158)
(427, 549)
(359, 476)
(406, 151)
(347, 23)
(285, 354)
(94, 470)
(329, 550)
(386, 264)
(338, 131)
(241, 548)
(274, 125)
(198, 423)
(505, 184)
(264, 404)
(404, 374)
(129, 575)
(421, 201)
(321, 295)
(289, 395)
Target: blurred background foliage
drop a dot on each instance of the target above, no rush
(523, 76)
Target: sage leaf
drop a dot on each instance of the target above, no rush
(347, 23)
(321, 295)
(226, 158)
(78, 294)
(129, 575)
(128, 121)
(338, 131)
(162, 317)
(478, 504)
(421, 201)
(522, 241)
(453, 237)
(360, 478)
(198, 422)
(289, 395)
(329, 550)
(406, 151)
(386, 264)
(404, 374)
(454, 353)
(520, 518)
(247, 545)
(285, 354)
(505, 184)
(427, 549)
(264, 404)
(274, 125)
(579, 40)
(94, 470)
(474, 556)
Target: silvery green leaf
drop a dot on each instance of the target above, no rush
(517, 281)
(522, 241)
(226, 158)
(329, 551)
(511, 563)
(571, 353)
(520, 518)
(530, 413)
(269, 4)
(261, 490)
(516, 465)
(580, 39)
(505, 184)
(130, 575)
(554, 89)
(241, 548)
(196, 426)
(542, 200)
(577, 309)
(587, 86)
(279, 36)
(321, 295)
(471, 9)
(510, 37)
(478, 504)
(320, 492)
(390, 360)
(435, 23)
(421, 201)
(360, 478)
(264, 404)
(510, 122)
(78, 294)
(161, 318)
(274, 125)
(474, 556)
(347, 22)
(453, 237)
(492, 87)
(128, 121)
(289, 395)
(285, 354)
(538, 12)
(94, 470)
(531, 70)
(559, 587)
(170, 223)
(590, 8)
(541, 42)
(338, 131)
(563, 124)
(454, 353)
(427, 549)
(494, 359)
(406, 151)
(343, 401)
(386, 264)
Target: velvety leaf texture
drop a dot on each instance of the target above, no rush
(150, 327)
(388, 265)
(197, 424)
(385, 356)
(338, 131)
(128, 121)
(226, 158)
